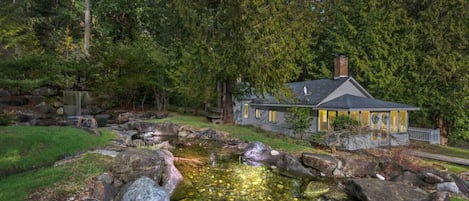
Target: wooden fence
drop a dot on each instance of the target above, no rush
(431, 136)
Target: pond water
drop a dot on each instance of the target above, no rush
(214, 172)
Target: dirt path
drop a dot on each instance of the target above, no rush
(459, 161)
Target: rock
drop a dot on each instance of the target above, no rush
(125, 117)
(157, 165)
(14, 100)
(376, 190)
(356, 167)
(438, 196)
(448, 186)
(44, 91)
(410, 179)
(444, 175)
(103, 188)
(171, 176)
(315, 189)
(60, 111)
(290, 166)
(390, 168)
(432, 178)
(57, 104)
(4, 93)
(210, 134)
(138, 143)
(274, 153)
(89, 124)
(462, 186)
(134, 163)
(255, 153)
(102, 119)
(44, 109)
(144, 189)
(321, 162)
(25, 117)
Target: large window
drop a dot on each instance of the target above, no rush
(393, 121)
(355, 115)
(258, 114)
(331, 115)
(403, 121)
(246, 111)
(342, 113)
(365, 119)
(272, 116)
(322, 118)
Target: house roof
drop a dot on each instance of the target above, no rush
(351, 102)
(316, 91)
(329, 94)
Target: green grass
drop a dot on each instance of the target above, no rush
(58, 180)
(246, 133)
(443, 150)
(24, 148)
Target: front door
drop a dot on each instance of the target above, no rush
(379, 127)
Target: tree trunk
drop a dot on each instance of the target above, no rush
(443, 130)
(86, 40)
(228, 103)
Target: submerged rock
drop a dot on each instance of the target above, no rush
(144, 189)
(315, 189)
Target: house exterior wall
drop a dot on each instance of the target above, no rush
(280, 126)
(346, 88)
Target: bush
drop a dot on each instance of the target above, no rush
(7, 118)
(345, 122)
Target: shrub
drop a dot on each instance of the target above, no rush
(7, 118)
(344, 122)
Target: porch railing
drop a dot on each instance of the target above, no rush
(429, 135)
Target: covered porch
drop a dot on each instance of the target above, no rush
(382, 123)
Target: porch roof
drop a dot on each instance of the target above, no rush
(355, 103)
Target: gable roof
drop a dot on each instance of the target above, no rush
(351, 102)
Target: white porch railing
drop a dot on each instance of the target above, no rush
(429, 135)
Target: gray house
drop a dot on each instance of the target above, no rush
(329, 98)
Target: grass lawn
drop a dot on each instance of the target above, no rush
(440, 149)
(53, 182)
(246, 133)
(24, 148)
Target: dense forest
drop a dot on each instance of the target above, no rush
(182, 52)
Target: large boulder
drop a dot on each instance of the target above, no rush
(135, 163)
(325, 164)
(143, 189)
(256, 153)
(45, 110)
(155, 164)
(410, 179)
(103, 188)
(356, 167)
(377, 190)
(462, 185)
(171, 177)
(89, 124)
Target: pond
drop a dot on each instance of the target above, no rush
(213, 171)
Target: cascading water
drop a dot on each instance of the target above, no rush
(74, 102)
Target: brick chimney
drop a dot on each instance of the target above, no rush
(340, 66)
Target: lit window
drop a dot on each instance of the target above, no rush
(365, 119)
(403, 121)
(394, 122)
(272, 116)
(342, 113)
(322, 120)
(246, 110)
(331, 115)
(355, 115)
(258, 114)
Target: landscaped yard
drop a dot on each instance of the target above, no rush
(245, 133)
(28, 153)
